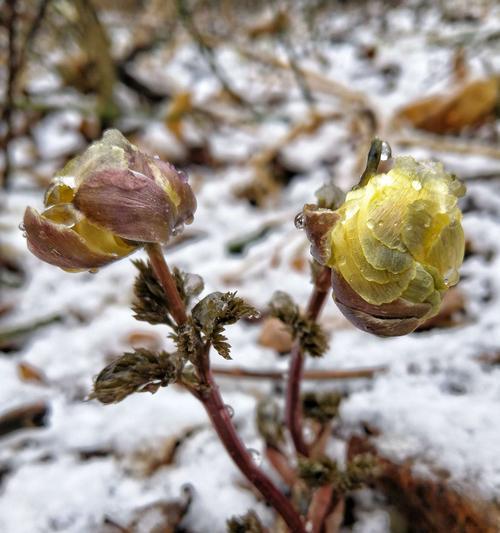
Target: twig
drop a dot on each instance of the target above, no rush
(18, 331)
(293, 408)
(206, 50)
(319, 507)
(457, 146)
(35, 26)
(11, 20)
(312, 375)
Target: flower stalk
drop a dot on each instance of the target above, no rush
(293, 408)
(209, 395)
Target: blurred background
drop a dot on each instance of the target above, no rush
(260, 103)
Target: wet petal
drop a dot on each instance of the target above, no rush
(59, 245)
(129, 204)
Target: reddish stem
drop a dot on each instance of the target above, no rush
(162, 272)
(221, 420)
(293, 408)
(209, 395)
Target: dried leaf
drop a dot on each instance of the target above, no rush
(470, 105)
(30, 373)
(180, 105)
(276, 335)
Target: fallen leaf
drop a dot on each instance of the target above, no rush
(468, 106)
(30, 373)
(275, 335)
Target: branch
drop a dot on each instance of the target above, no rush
(312, 375)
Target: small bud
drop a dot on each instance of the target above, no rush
(317, 472)
(248, 523)
(394, 246)
(139, 371)
(105, 203)
(309, 333)
(322, 407)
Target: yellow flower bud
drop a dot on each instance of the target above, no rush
(394, 246)
(105, 203)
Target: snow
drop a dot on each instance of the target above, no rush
(437, 403)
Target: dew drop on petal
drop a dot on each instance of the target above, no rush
(21, 227)
(256, 457)
(416, 185)
(299, 221)
(370, 224)
(309, 526)
(386, 151)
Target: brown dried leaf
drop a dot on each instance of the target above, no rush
(431, 502)
(144, 339)
(30, 373)
(180, 105)
(470, 105)
(275, 335)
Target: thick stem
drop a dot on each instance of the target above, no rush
(293, 409)
(211, 399)
(221, 420)
(160, 268)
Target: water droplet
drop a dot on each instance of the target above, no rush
(380, 223)
(93, 271)
(309, 432)
(256, 457)
(427, 224)
(370, 224)
(309, 526)
(230, 410)
(416, 185)
(156, 156)
(299, 221)
(21, 227)
(351, 211)
(385, 152)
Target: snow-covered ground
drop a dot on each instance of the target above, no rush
(438, 403)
